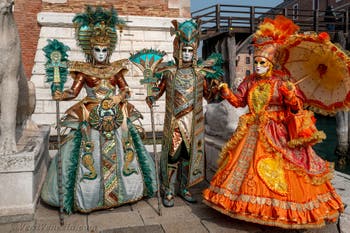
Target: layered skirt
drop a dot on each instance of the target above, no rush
(263, 181)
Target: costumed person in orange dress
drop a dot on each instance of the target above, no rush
(268, 172)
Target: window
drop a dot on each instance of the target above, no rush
(247, 72)
(247, 60)
(295, 11)
(250, 50)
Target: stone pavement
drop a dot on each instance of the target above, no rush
(141, 217)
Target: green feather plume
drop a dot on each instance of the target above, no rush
(217, 61)
(87, 22)
(92, 17)
(53, 46)
(146, 162)
(68, 200)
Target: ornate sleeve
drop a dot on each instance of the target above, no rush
(292, 96)
(210, 89)
(162, 87)
(237, 98)
(296, 102)
(76, 87)
(119, 81)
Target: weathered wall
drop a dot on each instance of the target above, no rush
(160, 8)
(141, 32)
(29, 29)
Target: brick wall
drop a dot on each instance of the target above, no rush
(29, 30)
(160, 8)
(26, 17)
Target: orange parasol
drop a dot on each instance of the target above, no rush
(321, 70)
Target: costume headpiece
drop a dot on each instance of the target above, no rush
(96, 26)
(272, 33)
(186, 34)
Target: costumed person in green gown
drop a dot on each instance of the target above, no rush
(104, 163)
(185, 82)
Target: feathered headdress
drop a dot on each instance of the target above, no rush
(96, 26)
(186, 34)
(271, 34)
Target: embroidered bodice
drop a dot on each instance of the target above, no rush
(184, 90)
(98, 81)
(99, 88)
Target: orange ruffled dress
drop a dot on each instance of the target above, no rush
(263, 179)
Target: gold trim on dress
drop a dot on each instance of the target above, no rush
(272, 221)
(260, 95)
(102, 72)
(287, 205)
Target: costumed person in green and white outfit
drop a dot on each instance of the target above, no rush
(104, 162)
(185, 82)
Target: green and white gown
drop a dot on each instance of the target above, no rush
(104, 162)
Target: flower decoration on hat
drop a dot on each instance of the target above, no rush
(97, 26)
(271, 34)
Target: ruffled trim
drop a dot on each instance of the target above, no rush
(318, 107)
(269, 222)
(312, 179)
(316, 137)
(241, 131)
(269, 146)
(260, 94)
(273, 212)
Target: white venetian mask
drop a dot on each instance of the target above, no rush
(262, 65)
(100, 53)
(187, 54)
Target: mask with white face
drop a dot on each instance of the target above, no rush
(100, 53)
(187, 54)
(262, 65)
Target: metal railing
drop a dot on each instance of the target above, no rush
(240, 18)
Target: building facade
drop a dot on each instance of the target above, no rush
(302, 13)
(314, 4)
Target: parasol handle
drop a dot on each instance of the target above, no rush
(301, 80)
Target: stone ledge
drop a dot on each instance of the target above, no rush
(55, 1)
(30, 146)
(22, 175)
(16, 218)
(55, 19)
(17, 213)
